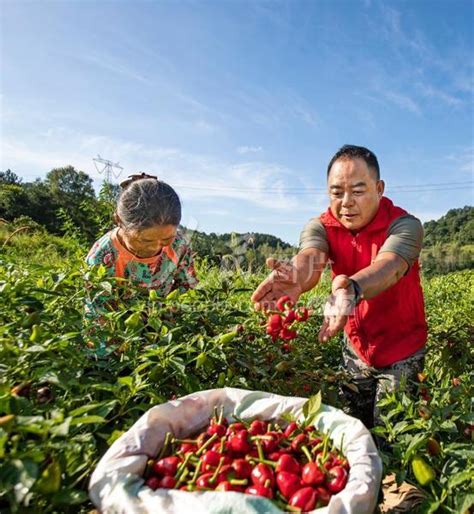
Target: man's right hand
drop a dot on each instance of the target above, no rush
(281, 281)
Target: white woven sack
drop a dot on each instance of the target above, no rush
(117, 486)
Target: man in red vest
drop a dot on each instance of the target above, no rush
(373, 248)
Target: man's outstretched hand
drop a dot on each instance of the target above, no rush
(337, 308)
(281, 281)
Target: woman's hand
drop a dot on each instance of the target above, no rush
(281, 281)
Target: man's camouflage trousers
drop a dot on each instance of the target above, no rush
(373, 383)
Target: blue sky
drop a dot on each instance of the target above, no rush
(241, 104)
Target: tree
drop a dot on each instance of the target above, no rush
(72, 191)
(67, 184)
(41, 205)
(13, 201)
(8, 177)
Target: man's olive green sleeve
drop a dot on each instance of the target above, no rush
(405, 238)
(314, 235)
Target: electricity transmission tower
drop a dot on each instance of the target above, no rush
(108, 168)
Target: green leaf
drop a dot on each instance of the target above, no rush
(101, 409)
(27, 472)
(286, 416)
(62, 430)
(312, 407)
(36, 348)
(448, 426)
(107, 287)
(459, 478)
(126, 381)
(82, 410)
(404, 426)
(417, 441)
(468, 503)
(69, 497)
(3, 440)
(114, 436)
(87, 420)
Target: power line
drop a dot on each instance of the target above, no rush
(442, 186)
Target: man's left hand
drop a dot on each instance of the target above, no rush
(337, 308)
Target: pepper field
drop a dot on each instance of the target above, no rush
(61, 407)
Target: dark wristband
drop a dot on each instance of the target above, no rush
(358, 295)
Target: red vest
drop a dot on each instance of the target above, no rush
(390, 326)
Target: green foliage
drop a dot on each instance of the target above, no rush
(443, 411)
(456, 226)
(444, 258)
(8, 177)
(61, 406)
(64, 406)
(241, 252)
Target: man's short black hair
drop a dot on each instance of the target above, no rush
(351, 152)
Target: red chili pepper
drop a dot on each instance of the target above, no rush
(227, 472)
(315, 441)
(288, 463)
(258, 427)
(290, 428)
(239, 443)
(228, 486)
(188, 448)
(290, 317)
(299, 441)
(304, 499)
(287, 335)
(275, 322)
(286, 347)
(302, 314)
(312, 474)
(218, 429)
(242, 468)
(274, 456)
(329, 463)
(284, 303)
(153, 482)
(259, 490)
(336, 479)
(204, 481)
(324, 496)
(433, 447)
(270, 442)
(211, 458)
(235, 427)
(288, 483)
(341, 461)
(424, 412)
(167, 482)
(166, 466)
(263, 474)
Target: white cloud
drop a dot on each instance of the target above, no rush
(463, 159)
(403, 101)
(249, 149)
(109, 63)
(432, 92)
(195, 176)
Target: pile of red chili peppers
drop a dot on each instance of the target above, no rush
(297, 467)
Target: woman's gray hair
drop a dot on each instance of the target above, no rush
(148, 202)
